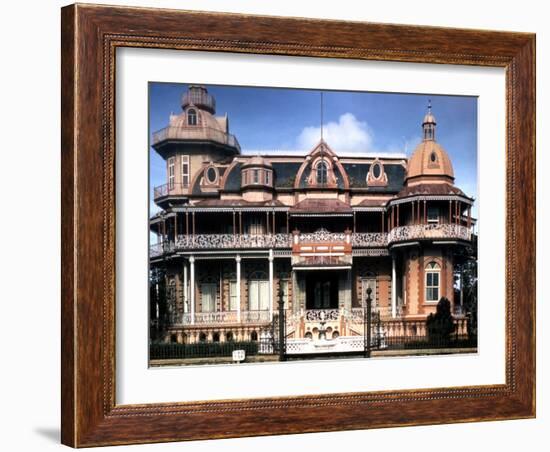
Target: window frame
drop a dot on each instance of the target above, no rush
(233, 301)
(171, 173)
(433, 268)
(321, 163)
(192, 113)
(184, 171)
(259, 284)
(211, 285)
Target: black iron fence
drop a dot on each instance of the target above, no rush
(159, 351)
(425, 343)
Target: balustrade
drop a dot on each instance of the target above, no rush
(225, 317)
(196, 133)
(429, 231)
(277, 241)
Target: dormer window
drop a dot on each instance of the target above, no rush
(192, 117)
(211, 175)
(322, 173)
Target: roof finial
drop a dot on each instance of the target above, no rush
(321, 115)
(429, 106)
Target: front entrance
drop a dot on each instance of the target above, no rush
(321, 289)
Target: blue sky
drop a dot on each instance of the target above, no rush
(280, 119)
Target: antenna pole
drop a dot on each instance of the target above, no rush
(321, 115)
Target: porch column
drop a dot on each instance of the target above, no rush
(238, 262)
(192, 287)
(185, 289)
(397, 216)
(393, 288)
(187, 224)
(270, 284)
(287, 223)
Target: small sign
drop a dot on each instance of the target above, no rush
(238, 355)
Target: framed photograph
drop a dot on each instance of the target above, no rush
(283, 225)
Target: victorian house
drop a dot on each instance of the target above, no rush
(237, 232)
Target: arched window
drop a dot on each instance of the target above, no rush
(216, 337)
(322, 171)
(376, 170)
(192, 117)
(433, 278)
(253, 336)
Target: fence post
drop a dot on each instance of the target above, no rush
(367, 324)
(282, 339)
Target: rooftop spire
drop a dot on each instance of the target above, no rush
(428, 125)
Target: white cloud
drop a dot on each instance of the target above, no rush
(347, 135)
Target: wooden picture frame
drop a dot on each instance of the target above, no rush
(90, 36)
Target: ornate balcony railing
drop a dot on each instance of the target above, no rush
(284, 241)
(429, 231)
(278, 241)
(321, 236)
(255, 316)
(368, 239)
(225, 318)
(195, 133)
(322, 315)
(224, 241)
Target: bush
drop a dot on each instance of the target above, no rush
(440, 325)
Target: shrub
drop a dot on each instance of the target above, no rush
(440, 325)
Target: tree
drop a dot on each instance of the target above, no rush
(468, 273)
(440, 325)
(158, 312)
